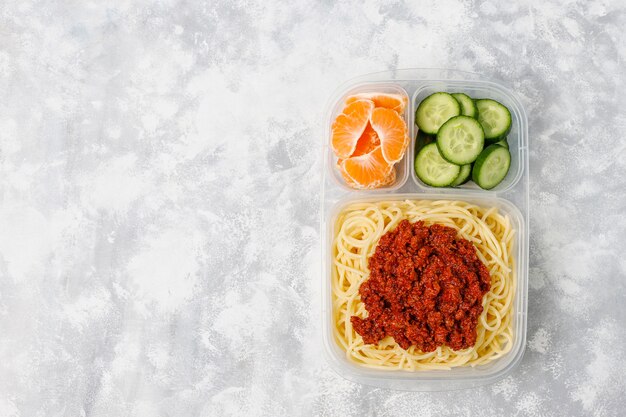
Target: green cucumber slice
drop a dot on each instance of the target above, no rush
(434, 111)
(460, 140)
(502, 142)
(491, 167)
(464, 175)
(432, 169)
(468, 107)
(494, 118)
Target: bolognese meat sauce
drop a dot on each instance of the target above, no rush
(425, 289)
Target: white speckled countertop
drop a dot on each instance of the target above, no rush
(159, 184)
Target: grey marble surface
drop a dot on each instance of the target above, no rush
(159, 184)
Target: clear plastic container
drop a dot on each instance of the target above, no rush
(510, 196)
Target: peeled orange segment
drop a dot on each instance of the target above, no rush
(393, 133)
(367, 142)
(349, 126)
(367, 171)
(391, 177)
(345, 176)
(395, 102)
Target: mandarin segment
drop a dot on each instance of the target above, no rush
(370, 170)
(395, 102)
(349, 126)
(391, 177)
(345, 176)
(392, 131)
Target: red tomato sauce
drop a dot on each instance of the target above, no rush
(425, 289)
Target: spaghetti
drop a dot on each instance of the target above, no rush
(357, 231)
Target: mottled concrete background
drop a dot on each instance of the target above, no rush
(159, 184)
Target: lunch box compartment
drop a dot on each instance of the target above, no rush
(402, 167)
(432, 380)
(477, 89)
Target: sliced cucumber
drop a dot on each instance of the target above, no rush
(432, 169)
(464, 175)
(502, 142)
(494, 118)
(460, 140)
(491, 166)
(468, 107)
(434, 111)
(422, 139)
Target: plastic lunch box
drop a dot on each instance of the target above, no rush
(510, 196)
